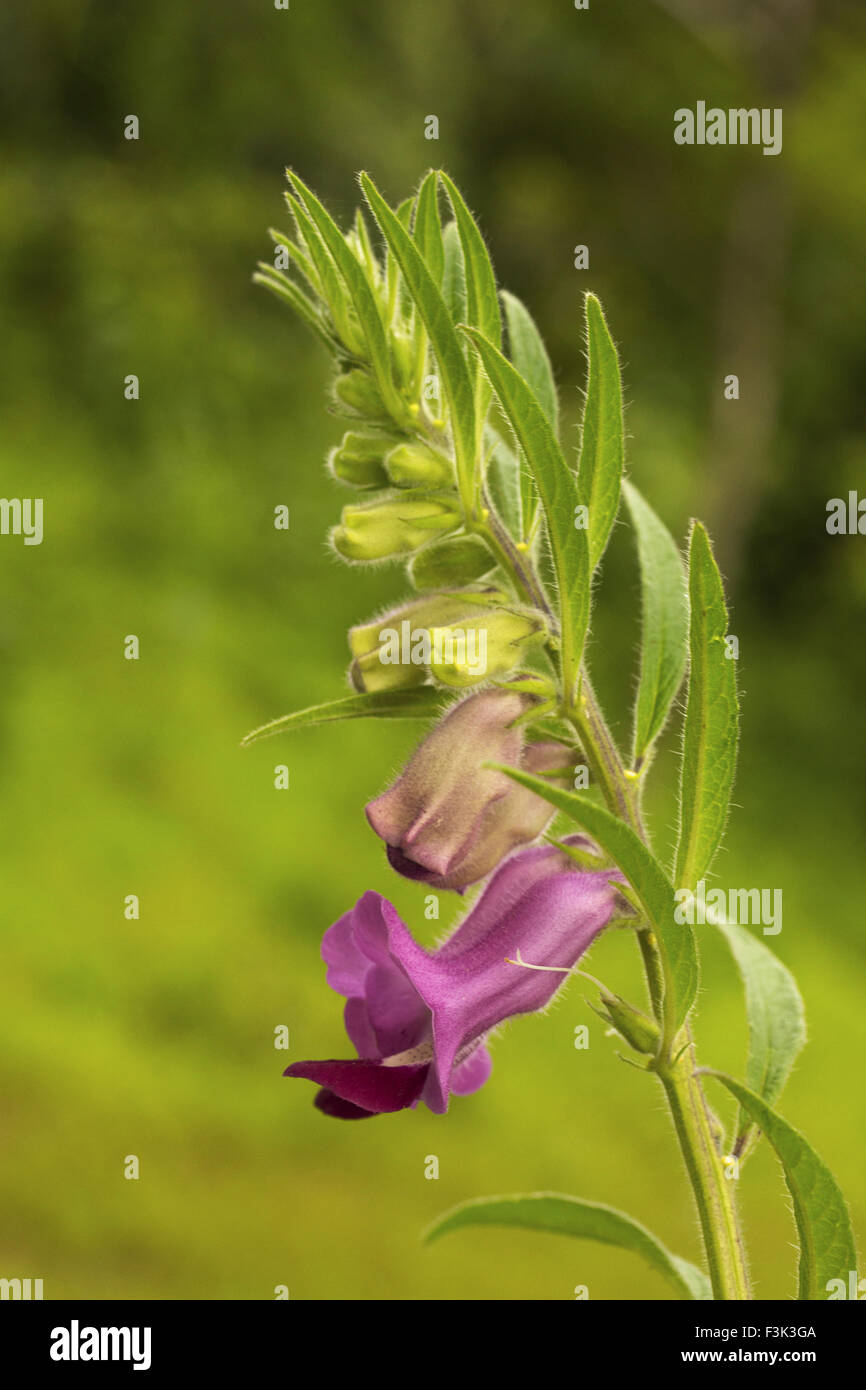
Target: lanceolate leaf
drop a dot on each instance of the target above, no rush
(359, 288)
(712, 719)
(777, 1022)
(527, 352)
(569, 1216)
(651, 884)
(599, 470)
(482, 302)
(827, 1249)
(664, 639)
(454, 274)
(428, 228)
(454, 372)
(425, 703)
(558, 492)
(529, 355)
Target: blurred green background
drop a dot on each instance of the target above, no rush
(154, 1037)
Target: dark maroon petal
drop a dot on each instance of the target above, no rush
(409, 868)
(330, 1104)
(366, 1085)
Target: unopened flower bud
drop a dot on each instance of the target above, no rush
(639, 1031)
(359, 458)
(357, 390)
(393, 651)
(393, 526)
(457, 560)
(449, 819)
(414, 465)
(484, 646)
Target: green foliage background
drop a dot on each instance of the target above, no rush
(155, 1037)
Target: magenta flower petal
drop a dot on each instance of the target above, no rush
(419, 1018)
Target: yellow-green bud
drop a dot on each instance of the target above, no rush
(414, 465)
(368, 673)
(426, 612)
(394, 526)
(639, 1031)
(359, 458)
(457, 560)
(483, 646)
(402, 348)
(394, 650)
(357, 390)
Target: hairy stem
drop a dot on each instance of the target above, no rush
(676, 1068)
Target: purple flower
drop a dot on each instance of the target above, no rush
(447, 820)
(419, 1018)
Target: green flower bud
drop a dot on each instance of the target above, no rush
(368, 673)
(639, 1031)
(359, 458)
(457, 560)
(414, 465)
(484, 646)
(393, 651)
(403, 352)
(357, 390)
(393, 526)
(438, 611)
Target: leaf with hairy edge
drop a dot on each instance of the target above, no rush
(712, 719)
(454, 274)
(665, 629)
(482, 301)
(529, 355)
(571, 1216)
(361, 293)
(428, 228)
(827, 1249)
(527, 352)
(602, 451)
(383, 704)
(777, 1020)
(649, 881)
(556, 486)
(451, 362)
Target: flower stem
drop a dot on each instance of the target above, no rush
(712, 1190)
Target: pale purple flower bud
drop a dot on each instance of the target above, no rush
(447, 820)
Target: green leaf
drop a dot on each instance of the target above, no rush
(570, 1216)
(556, 486)
(654, 890)
(503, 475)
(777, 1021)
(428, 228)
(454, 274)
(664, 638)
(332, 289)
(425, 703)
(361, 293)
(599, 469)
(456, 381)
(482, 301)
(529, 355)
(827, 1249)
(712, 719)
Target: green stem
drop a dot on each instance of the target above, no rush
(712, 1189)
